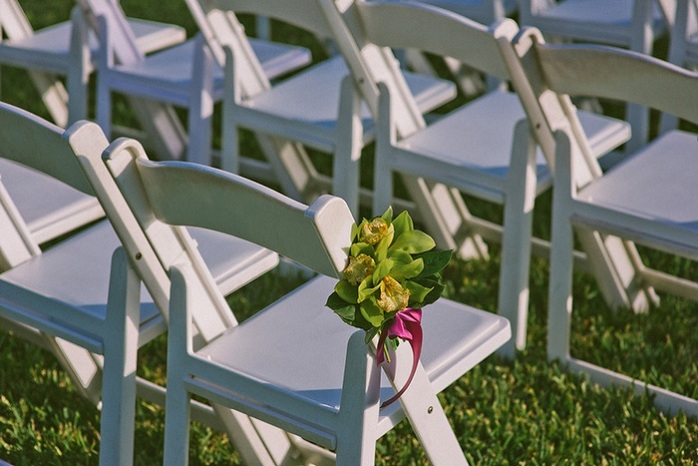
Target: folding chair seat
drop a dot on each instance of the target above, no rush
(648, 199)
(482, 148)
(623, 23)
(49, 208)
(67, 49)
(294, 364)
(69, 299)
(312, 108)
(183, 75)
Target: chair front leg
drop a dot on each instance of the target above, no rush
(424, 411)
(120, 358)
(347, 156)
(516, 242)
(201, 105)
(358, 415)
(561, 253)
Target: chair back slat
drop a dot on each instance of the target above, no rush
(38, 144)
(153, 246)
(122, 38)
(300, 13)
(181, 194)
(594, 71)
(449, 34)
(371, 64)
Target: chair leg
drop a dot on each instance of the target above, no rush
(201, 106)
(80, 64)
(347, 157)
(356, 440)
(561, 255)
(424, 412)
(120, 355)
(230, 157)
(177, 400)
(385, 138)
(177, 409)
(516, 241)
(104, 106)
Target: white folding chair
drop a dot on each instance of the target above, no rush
(68, 298)
(66, 49)
(648, 199)
(632, 24)
(312, 108)
(183, 75)
(295, 364)
(482, 148)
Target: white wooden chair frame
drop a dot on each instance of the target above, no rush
(66, 49)
(185, 76)
(526, 176)
(323, 233)
(583, 205)
(342, 131)
(87, 335)
(645, 22)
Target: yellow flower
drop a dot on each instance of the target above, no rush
(393, 296)
(372, 232)
(359, 268)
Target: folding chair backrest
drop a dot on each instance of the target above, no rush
(122, 38)
(371, 64)
(619, 74)
(546, 110)
(39, 145)
(177, 193)
(597, 71)
(217, 21)
(399, 24)
(152, 245)
(450, 35)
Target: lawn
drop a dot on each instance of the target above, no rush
(526, 411)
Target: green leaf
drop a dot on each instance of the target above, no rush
(365, 289)
(381, 251)
(435, 261)
(411, 269)
(417, 292)
(388, 215)
(403, 223)
(414, 242)
(347, 291)
(361, 248)
(433, 282)
(384, 268)
(371, 312)
(346, 311)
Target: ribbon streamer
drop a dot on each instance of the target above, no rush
(407, 324)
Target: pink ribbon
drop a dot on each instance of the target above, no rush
(407, 324)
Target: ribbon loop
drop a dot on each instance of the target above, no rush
(407, 324)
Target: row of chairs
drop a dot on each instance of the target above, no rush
(361, 30)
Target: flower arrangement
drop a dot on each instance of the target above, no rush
(393, 271)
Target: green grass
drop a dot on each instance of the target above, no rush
(526, 411)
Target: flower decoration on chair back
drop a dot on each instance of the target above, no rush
(392, 273)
